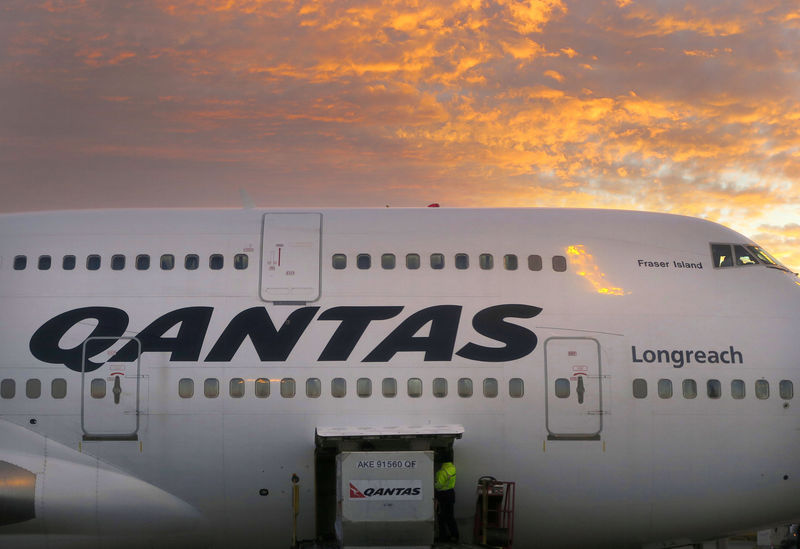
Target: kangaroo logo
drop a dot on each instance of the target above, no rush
(355, 493)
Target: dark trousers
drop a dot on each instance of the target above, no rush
(446, 499)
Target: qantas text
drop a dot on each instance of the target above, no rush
(275, 344)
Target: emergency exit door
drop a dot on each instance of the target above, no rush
(110, 393)
(290, 257)
(574, 403)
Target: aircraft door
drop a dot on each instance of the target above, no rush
(290, 257)
(110, 394)
(574, 404)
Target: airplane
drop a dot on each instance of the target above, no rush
(198, 378)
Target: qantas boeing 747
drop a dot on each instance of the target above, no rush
(250, 378)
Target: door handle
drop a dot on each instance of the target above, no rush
(117, 390)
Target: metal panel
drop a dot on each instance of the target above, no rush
(290, 257)
(385, 498)
(577, 415)
(397, 431)
(114, 414)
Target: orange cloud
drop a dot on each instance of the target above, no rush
(554, 75)
(100, 57)
(529, 16)
(704, 53)
(649, 21)
(523, 48)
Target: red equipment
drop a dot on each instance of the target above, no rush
(494, 513)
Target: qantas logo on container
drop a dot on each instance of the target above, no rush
(386, 489)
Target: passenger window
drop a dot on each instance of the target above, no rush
(44, 262)
(364, 387)
(20, 262)
(490, 387)
(338, 387)
(762, 389)
(415, 387)
(486, 261)
(722, 255)
(389, 387)
(639, 388)
(510, 262)
(142, 262)
(516, 387)
(689, 388)
(68, 262)
(167, 262)
(465, 387)
(559, 263)
(262, 387)
(216, 262)
(186, 388)
(363, 261)
(388, 261)
(211, 387)
(743, 256)
(240, 261)
(191, 262)
(58, 388)
(8, 388)
(236, 387)
(437, 261)
(737, 389)
(339, 261)
(562, 387)
(97, 388)
(287, 387)
(313, 387)
(786, 389)
(93, 262)
(439, 387)
(462, 261)
(535, 262)
(714, 388)
(117, 262)
(33, 388)
(412, 261)
(664, 388)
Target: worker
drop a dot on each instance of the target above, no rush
(445, 495)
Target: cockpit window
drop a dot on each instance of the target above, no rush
(743, 256)
(722, 255)
(739, 255)
(762, 255)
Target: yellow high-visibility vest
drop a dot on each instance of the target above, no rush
(445, 477)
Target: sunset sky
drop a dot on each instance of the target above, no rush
(690, 107)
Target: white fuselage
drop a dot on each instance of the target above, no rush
(625, 302)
